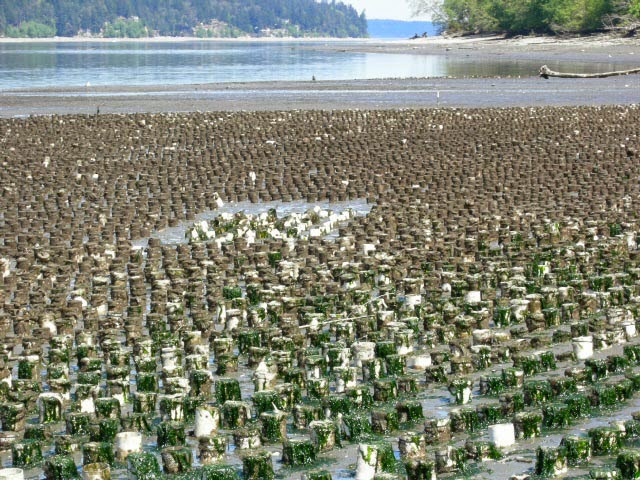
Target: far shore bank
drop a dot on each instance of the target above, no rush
(611, 48)
(495, 41)
(176, 39)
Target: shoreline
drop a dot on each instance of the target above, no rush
(389, 93)
(495, 41)
(164, 39)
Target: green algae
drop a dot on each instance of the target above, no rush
(604, 396)
(492, 385)
(144, 466)
(605, 440)
(234, 414)
(12, 416)
(481, 451)
(177, 459)
(460, 388)
(26, 453)
(144, 402)
(98, 452)
(579, 405)
(107, 407)
(410, 411)
(395, 364)
(137, 421)
(35, 432)
(108, 428)
(361, 397)
(27, 370)
(217, 472)
(298, 452)
(305, 413)
(356, 426)
(577, 448)
(629, 464)
(550, 461)
(490, 413)
(465, 420)
(384, 421)
(189, 407)
(265, 401)
(60, 467)
(257, 466)
(317, 388)
(338, 404)
(420, 469)
(537, 392)
(385, 390)
(317, 475)
(385, 458)
(556, 415)
(227, 389)
(274, 426)
(324, 434)
(385, 348)
(528, 424)
(170, 434)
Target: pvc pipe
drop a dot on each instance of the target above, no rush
(502, 434)
(582, 347)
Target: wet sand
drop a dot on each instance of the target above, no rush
(378, 94)
(365, 94)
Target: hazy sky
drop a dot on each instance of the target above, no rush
(387, 9)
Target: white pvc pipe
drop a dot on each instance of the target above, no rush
(87, 405)
(502, 434)
(368, 248)
(207, 421)
(473, 296)
(582, 347)
(363, 351)
(629, 329)
(367, 461)
(412, 300)
(127, 443)
(419, 361)
(11, 474)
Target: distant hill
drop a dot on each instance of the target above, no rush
(399, 28)
(204, 18)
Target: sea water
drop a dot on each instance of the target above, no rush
(29, 65)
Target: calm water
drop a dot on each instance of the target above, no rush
(32, 65)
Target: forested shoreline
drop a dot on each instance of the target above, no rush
(203, 18)
(532, 16)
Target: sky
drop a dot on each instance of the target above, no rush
(385, 9)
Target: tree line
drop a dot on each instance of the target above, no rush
(531, 16)
(178, 17)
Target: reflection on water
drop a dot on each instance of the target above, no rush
(32, 65)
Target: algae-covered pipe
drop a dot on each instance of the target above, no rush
(96, 471)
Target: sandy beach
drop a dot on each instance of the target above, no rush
(383, 94)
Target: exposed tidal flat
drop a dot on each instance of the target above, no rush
(378, 292)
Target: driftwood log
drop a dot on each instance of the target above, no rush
(546, 72)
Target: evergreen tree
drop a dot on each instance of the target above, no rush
(182, 17)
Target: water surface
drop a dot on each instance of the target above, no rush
(30, 65)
